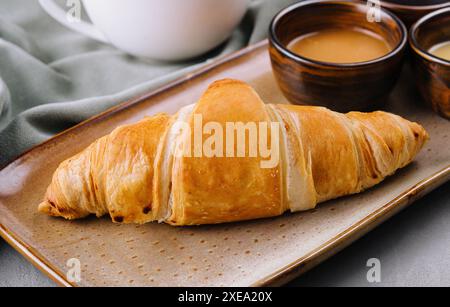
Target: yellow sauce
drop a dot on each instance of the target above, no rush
(441, 50)
(340, 46)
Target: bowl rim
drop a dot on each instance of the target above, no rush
(428, 7)
(415, 46)
(298, 58)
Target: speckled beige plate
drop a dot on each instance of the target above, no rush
(263, 252)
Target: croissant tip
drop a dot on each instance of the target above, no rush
(420, 133)
(46, 207)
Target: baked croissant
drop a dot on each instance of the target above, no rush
(136, 174)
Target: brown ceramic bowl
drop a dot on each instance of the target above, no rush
(341, 87)
(432, 73)
(409, 11)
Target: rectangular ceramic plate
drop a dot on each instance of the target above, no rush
(263, 252)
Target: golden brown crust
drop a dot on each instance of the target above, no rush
(225, 189)
(132, 174)
(300, 192)
(330, 145)
(113, 175)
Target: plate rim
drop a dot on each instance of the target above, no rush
(356, 231)
(278, 277)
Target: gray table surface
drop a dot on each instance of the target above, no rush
(413, 248)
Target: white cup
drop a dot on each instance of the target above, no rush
(157, 29)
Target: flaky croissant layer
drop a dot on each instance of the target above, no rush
(135, 175)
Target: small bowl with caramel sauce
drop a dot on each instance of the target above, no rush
(429, 39)
(336, 54)
(409, 11)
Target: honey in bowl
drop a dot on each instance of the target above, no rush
(340, 46)
(441, 50)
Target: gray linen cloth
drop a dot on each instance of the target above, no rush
(52, 78)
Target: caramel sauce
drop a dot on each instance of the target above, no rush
(441, 50)
(340, 46)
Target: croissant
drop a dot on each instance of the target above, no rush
(153, 170)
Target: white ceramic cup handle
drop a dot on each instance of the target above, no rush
(81, 26)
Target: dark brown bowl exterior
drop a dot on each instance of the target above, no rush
(432, 74)
(342, 87)
(409, 11)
